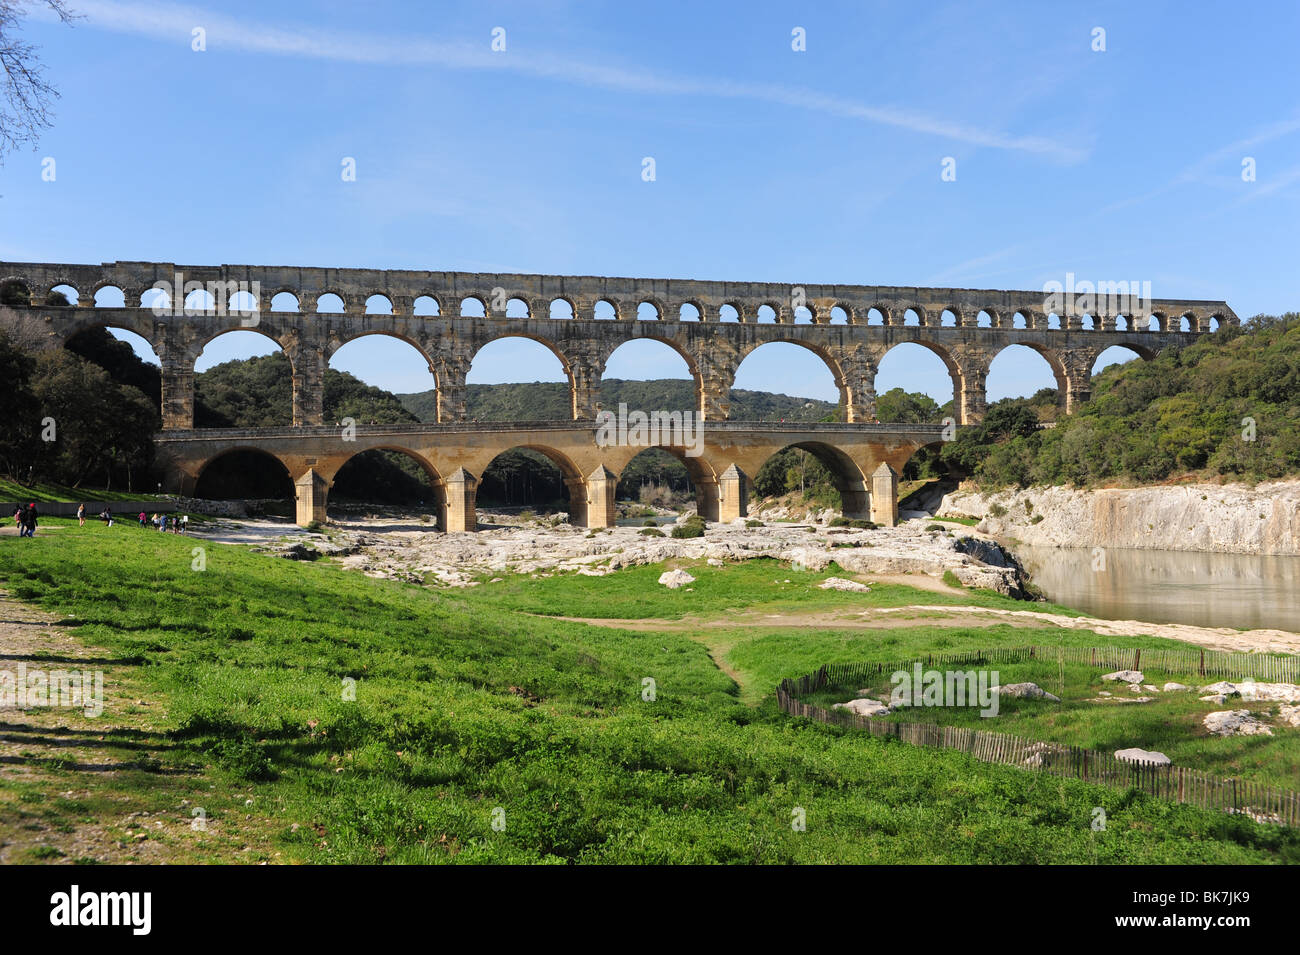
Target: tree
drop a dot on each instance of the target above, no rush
(25, 110)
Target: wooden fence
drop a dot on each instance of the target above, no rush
(1262, 802)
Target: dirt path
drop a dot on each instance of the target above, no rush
(108, 788)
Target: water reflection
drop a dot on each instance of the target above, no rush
(1207, 590)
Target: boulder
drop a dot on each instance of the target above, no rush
(1288, 714)
(839, 583)
(1125, 676)
(1135, 755)
(672, 579)
(1250, 690)
(1026, 691)
(1174, 687)
(863, 707)
(1041, 754)
(1235, 723)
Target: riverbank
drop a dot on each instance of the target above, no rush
(405, 549)
(1222, 519)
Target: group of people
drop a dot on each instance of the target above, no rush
(165, 522)
(25, 518)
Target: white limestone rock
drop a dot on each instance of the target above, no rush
(672, 579)
(1249, 690)
(1174, 687)
(1235, 723)
(1135, 755)
(1125, 676)
(1026, 691)
(839, 583)
(863, 707)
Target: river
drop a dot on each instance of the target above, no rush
(1207, 590)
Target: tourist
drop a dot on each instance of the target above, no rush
(81, 515)
(28, 528)
(185, 523)
(143, 519)
(108, 517)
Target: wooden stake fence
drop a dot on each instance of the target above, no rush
(1263, 802)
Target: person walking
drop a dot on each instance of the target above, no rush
(108, 517)
(144, 520)
(81, 515)
(29, 521)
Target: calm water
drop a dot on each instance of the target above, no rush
(1208, 590)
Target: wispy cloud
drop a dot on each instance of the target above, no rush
(174, 22)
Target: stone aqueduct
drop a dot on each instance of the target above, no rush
(850, 327)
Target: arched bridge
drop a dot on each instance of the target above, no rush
(449, 316)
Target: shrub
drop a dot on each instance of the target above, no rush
(652, 532)
(315, 527)
(951, 580)
(649, 522)
(753, 523)
(1036, 518)
(689, 529)
(997, 510)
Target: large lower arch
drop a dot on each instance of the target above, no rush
(384, 360)
(246, 382)
(388, 475)
(245, 472)
(515, 359)
(638, 360)
(674, 469)
(1115, 354)
(896, 370)
(809, 467)
(530, 477)
(1025, 370)
(791, 367)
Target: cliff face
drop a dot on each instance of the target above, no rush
(1225, 519)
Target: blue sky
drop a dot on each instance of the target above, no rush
(771, 164)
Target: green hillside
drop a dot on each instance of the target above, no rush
(549, 401)
(1223, 407)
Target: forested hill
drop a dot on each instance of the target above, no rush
(1226, 406)
(549, 401)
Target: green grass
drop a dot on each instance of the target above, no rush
(465, 704)
(763, 584)
(11, 490)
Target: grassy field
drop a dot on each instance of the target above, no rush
(475, 707)
(11, 490)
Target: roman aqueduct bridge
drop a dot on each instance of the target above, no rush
(713, 326)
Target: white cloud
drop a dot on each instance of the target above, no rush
(174, 22)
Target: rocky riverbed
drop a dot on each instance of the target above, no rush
(408, 550)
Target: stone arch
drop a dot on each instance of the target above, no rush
(337, 342)
(692, 364)
(433, 483)
(701, 475)
(291, 292)
(828, 358)
(565, 302)
(381, 299)
(475, 302)
(642, 312)
(1140, 350)
(230, 467)
(947, 357)
(110, 287)
(321, 303)
(550, 345)
(1054, 363)
(695, 313)
(846, 476)
(420, 306)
